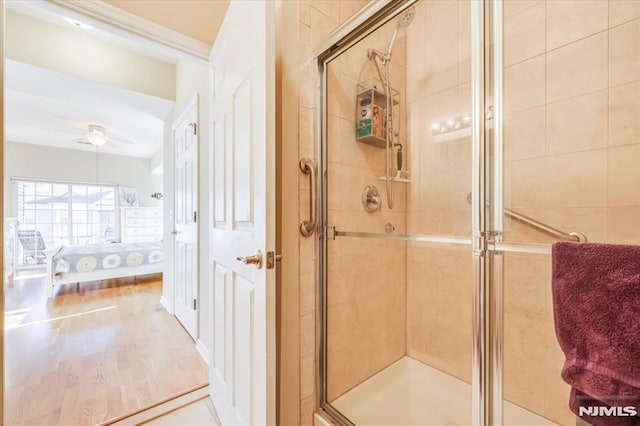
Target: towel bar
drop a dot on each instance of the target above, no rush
(571, 236)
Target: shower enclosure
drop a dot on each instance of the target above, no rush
(517, 126)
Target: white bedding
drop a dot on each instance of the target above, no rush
(75, 264)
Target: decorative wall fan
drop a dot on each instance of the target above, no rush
(97, 136)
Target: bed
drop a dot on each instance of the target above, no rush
(93, 262)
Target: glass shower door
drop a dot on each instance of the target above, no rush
(397, 261)
(570, 158)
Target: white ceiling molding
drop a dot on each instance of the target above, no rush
(110, 18)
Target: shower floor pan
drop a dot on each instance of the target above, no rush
(409, 392)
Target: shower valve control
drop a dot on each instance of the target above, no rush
(371, 200)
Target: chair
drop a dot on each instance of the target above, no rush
(33, 247)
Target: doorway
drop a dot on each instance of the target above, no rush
(104, 347)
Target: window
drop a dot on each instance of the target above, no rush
(52, 214)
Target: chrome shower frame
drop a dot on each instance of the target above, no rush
(486, 226)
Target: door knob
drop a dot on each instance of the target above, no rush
(256, 259)
(174, 232)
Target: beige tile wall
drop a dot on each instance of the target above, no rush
(366, 279)
(439, 278)
(572, 146)
(439, 87)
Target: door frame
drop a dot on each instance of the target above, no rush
(2, 194)
(194, 103)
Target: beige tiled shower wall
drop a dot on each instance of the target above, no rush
(572, 148)
(316, 19)
(366, 278)
(439, 278)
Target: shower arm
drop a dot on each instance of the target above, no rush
(373, 53)
(571, 236)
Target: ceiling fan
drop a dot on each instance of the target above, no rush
(97, 136)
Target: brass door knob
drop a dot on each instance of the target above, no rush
(256, 259)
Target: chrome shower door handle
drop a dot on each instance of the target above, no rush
(308, 167)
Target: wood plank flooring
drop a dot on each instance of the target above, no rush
(89, 356)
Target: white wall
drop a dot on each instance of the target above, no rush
(156, 162)
(192, 78)
(77, 53)
(36, 161)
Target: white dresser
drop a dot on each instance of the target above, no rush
(140, 224)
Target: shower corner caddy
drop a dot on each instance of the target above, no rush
(402, 177)
(371, 102)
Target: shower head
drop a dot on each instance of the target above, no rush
(404, 21)
(406, 18)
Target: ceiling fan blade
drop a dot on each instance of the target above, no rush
(82, 141)
(120, 140)
(74, 131)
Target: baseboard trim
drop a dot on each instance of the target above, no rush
(165, 304)
(160, 408)
(203, 351)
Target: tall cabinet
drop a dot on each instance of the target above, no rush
(140, 224)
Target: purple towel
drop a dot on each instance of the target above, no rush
(596, 304)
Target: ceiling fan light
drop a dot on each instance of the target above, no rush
(96, 139)
(97, 135)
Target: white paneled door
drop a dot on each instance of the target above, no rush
(242, 378)
(185, 231)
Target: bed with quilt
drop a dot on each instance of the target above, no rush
(93, 262)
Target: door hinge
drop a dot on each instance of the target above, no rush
(194, 126)
(195, 303)
(272, 258)
(195, 217)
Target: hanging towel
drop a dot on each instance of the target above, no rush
(596, 304)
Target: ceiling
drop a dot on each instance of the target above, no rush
(46, 107)
(198, 19)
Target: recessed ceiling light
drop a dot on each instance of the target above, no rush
(77, 24)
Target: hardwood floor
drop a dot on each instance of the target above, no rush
(89, 356)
